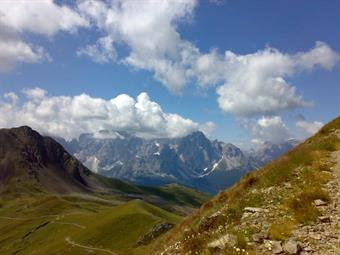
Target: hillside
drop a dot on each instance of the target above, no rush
(55, 225)
(290, 206)
(51, 204)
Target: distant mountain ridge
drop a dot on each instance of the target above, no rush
(193, 160)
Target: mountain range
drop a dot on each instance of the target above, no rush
(193, 160)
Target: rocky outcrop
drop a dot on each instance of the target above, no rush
(155, 232)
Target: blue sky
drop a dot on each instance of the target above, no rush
(285, 32)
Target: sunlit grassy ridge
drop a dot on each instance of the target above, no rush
(289, 184)
(41, 226)
(39, 222)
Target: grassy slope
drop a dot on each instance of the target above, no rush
(87, 222)
(99, 220)
(178, 194)
(176, 198)
(174, 193)
(304, 168)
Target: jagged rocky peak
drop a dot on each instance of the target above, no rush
(189, 160)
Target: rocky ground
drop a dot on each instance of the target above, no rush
(319, 238)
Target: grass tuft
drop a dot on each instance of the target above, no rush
(281, 231)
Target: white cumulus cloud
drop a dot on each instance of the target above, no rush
(101, 52)
(43, 17)
(267, 129)
(149, 29)
(310, 128)
(69, 117)
(257, 83)
(13, 52)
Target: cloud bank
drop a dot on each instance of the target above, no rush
(69, 117)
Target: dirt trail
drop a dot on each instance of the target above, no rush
(69, 223)
(69, 241)
(323, 237)
(58, 216)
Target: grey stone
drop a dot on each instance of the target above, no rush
(308, 248)
(324, 219)
(223, 241)
(319, 202)
(258, 237)
(276, 247)
(315, 236)
(291, 247)
(252, 209)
